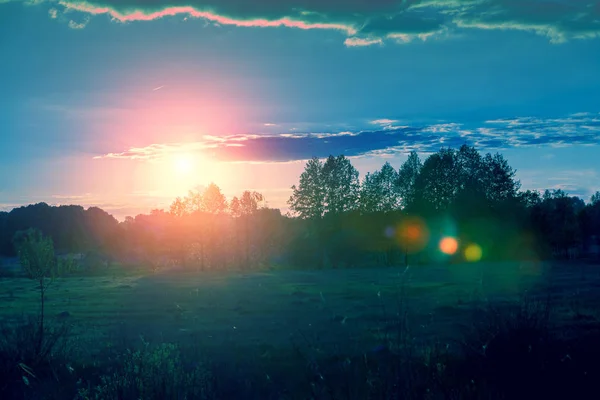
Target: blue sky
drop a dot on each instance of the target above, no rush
(103, 101)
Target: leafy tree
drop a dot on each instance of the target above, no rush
(500, 183)
(36, 255)
(438, 181)
(380, 191)
(249, 202)
(244, 210)
(308, 198)
(325, 189)
(213, 201)
(101, 227)
(341, 183)
(235, 208)
(530, 198)
(558, 220)
(407, 178)
(595, 199)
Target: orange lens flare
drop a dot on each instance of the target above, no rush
(449, 245)
(412, 234)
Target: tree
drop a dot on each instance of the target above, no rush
(325, 189)
(407, 178)
(36, 255)
(235, 208)
(530, 198)
(244, 210)
(213, 201)
(249, 202)
(341, 184)
(380, 191)
(437, 184)
(595, 199)
(499, 179)
(308, 198)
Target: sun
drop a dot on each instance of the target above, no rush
(184, 164)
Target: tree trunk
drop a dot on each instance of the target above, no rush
(247, 242)
(41, 327)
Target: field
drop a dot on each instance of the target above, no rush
(269, 322)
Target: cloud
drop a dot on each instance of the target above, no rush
(576, 129)
(384, 121)
(78, 25)
(362, 42)
(574, 182)
(366, 22)
(501, 134)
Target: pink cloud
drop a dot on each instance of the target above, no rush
(191, 11)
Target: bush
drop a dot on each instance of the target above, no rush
(29, 357)
(153, 373)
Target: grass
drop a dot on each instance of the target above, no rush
(305, 332)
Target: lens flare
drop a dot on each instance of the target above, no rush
(389, 231)
(449, 245)
(412, 234)
(473, 253)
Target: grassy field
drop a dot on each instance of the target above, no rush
(269, 321)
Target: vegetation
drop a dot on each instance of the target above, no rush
(337, 220)
(229, 321)
(36, 255)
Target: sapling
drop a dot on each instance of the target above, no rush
(37, 258)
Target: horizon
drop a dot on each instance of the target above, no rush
(126, 107)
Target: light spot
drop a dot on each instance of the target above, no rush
(473, 253)
(448, 245)
(184, 164)
(412, 234)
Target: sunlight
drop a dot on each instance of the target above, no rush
(184, 164)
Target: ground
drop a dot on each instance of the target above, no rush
(258, 319)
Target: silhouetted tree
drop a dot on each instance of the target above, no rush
(380, 191)
(595, 199)
(341, 184)
(308, 198)
(244, 210)
(438, 182)
(407, 178)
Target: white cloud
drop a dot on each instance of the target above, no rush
(384, 121)
(362, 42)
(78, 25)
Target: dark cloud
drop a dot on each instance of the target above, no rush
(366, 22)
(574, 130)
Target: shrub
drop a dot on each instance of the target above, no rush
(29, 357)
(153, 373)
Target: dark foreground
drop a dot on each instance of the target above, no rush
(501, 330)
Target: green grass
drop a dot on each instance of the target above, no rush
(256, 318)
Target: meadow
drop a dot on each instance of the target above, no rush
(276, 325)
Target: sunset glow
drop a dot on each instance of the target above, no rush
(167, 96)
(235, 182)
(184, 164)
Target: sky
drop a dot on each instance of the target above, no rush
(127, 104)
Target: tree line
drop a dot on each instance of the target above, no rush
(392, 216)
